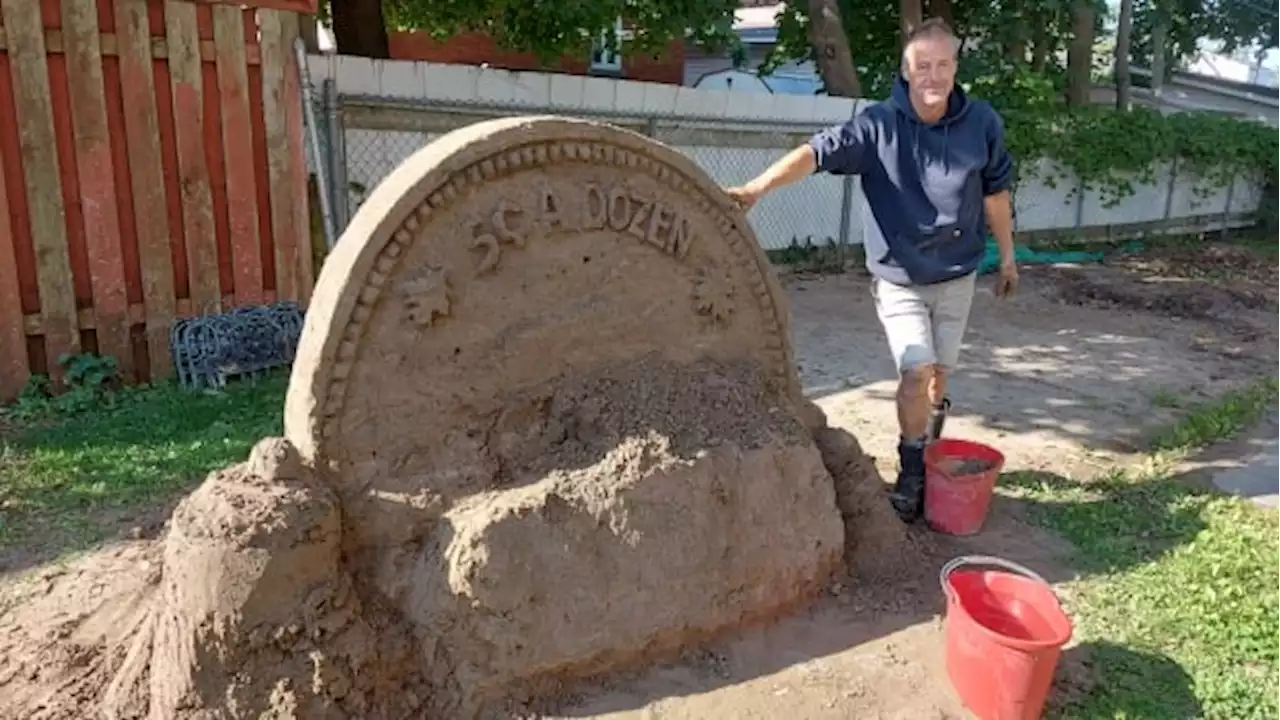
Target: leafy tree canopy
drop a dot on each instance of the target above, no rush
(554, 28)
(999, 34)
(1242, 23)
(1235, 23)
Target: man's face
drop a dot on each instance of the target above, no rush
(931, 69)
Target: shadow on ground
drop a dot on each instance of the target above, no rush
(1116, 524)
(1046, 364)
(1136, 685)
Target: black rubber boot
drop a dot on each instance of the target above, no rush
(937, 419)
(908, 492)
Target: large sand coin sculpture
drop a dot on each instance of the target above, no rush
(544, 422)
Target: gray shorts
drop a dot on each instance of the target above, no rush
(925, 324)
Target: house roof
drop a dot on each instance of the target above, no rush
(757, 24)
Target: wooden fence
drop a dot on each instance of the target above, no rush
(151, 167)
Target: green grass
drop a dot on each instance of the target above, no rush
(1178, 587)
(58, 479)
(1222, 418)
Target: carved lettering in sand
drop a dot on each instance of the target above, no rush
(617, 208)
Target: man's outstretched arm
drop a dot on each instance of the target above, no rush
(793, 167)
(837, 150)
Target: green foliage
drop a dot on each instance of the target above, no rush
(1243, 23)
(792, 42)
(1010, 86)
(1184, 24)
(872, 29)
(1234, 23)
(875, 38)
(1225, 417)
(90, 382)
(554, 28)
(1113, 151)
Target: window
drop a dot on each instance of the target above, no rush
(605, 59)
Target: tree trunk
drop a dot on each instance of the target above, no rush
(308, 30)
(1041, 46)
(1017, 50)
(831, 47)
(1158, 34)
(1124, 30)
(942, 9)
(1080, 53)
(911, 14)
(359, 28)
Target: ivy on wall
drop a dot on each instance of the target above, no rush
(1112, 152)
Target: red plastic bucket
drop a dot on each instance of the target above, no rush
(1004, 632)
(955, 501)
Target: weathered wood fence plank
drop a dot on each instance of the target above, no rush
(146, 177)
(95, 171)
(186, 88)
(38, 145)
(296, 159)
(276, 52)
(237, 145)
(13, 338)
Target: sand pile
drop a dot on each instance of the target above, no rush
(113, 635)
(254, 612)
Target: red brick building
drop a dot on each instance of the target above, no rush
(480, 49)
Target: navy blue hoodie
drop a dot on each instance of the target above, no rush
(924, 184)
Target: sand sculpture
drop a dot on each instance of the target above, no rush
(544, 423)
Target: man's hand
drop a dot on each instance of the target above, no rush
(1008, 284)
(746, 195)
(998, 208)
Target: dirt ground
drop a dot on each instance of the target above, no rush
(1066, 377)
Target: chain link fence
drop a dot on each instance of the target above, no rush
(367, 137)
(382, 116)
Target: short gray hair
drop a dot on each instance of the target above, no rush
(933, 27)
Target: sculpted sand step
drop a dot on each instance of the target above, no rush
(546, 384)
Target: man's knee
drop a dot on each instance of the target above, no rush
(915, 380)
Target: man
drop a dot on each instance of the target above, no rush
(936, 174)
